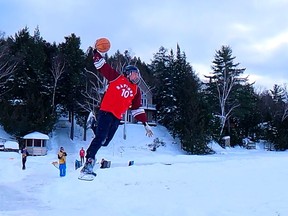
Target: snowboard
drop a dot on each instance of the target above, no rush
(87, 177)
(103, 165)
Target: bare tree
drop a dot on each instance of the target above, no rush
(94, 90)
(224, 92)
(7, 65)
(57, 69)
(285, 101)
(226, 76)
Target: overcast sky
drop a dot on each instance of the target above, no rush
(256, 30)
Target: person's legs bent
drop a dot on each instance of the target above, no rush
(105, 119)
(112, 131)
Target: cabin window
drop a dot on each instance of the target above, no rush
(29, 142)
(37, 143)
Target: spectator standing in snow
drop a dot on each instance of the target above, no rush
(82, 155)
(122, 93)
(62, 161)
(24, 153)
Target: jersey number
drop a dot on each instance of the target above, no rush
(125, 93)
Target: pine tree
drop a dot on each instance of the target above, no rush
(225, 76)
(246, 118)
(161, 67)
(279, 121)
(72, 85)
(179, 101)
(27, 106)
(191, 116)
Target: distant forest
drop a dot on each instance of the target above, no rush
(40, 81)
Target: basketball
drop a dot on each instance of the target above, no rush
(102, 45)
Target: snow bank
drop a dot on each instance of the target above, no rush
(11, 145)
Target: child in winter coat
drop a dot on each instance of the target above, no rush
(24, 153)
(62, 162)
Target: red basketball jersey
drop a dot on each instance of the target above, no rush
(118, 97)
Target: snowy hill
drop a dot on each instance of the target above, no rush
(233, 182)
(135, 147)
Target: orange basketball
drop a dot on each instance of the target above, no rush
(102, 45)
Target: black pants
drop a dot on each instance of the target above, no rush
(82, 159)
(24, 162)
(106, 128)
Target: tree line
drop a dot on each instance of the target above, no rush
(40, 81)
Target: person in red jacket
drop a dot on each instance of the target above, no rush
(122, 93)
(82, 155)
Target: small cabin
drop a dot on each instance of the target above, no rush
(36, 143)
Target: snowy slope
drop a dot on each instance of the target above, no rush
(233, 182)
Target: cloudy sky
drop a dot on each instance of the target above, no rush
(256, 30)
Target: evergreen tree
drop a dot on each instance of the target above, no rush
(72, 85)
(27, 106)
(246, 118)
(179, 101)
(190, 117)
(161, 67)
(279, 121)
(222, 86)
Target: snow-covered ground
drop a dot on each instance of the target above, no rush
(166, 182)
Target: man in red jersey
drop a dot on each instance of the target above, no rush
(122, 93)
